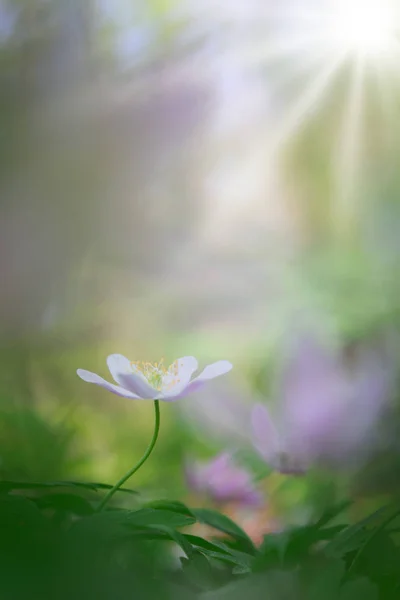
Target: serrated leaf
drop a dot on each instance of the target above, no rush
(301, 540)
(223, 523)
(352, 537)
(205, 544)
(220, 551)
(122, 523)
(241, 558)
(291, 545)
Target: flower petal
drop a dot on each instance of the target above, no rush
(178, 376)
(96, 379)
(223, 481)
(219, 464)
(214, 370)
(187, 365)
(265, 435)
(177, 393)
(122, 371)
(117, 363)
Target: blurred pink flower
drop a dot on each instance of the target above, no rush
(223, 481)
(272, 446)
(330, 409)
(152, 381)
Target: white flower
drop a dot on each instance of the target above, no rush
(152, 381)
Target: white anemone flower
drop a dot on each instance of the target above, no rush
(153, 381)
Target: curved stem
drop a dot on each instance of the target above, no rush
(145, 456)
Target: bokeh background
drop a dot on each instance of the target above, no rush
(186, 177)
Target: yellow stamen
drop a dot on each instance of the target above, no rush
(155, 373)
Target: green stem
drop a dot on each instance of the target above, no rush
(145, 456)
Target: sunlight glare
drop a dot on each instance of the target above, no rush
(365, 27)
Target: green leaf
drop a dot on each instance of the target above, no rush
(18, 511)
(121, 524)
(172, 506)
(153, 516)
(223, 523)
(302, 539)
(198, 571)
(378, 557)
(352, 537)
(120, 530)
(241, 570)
(170, 533)
(220, 551)
(292, 545)
(203, 544)
(102, 527)
(359, 589)
(241, 558)
(65, 502)
(274, 585)
(22, 526)
(274, 547)
(325, 582)
(333, 512)
(327, 533)
(228, 559)
(7, 486)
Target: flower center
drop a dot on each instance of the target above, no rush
(157, 375)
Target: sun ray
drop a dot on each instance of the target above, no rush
(348, 156)
(386, 101)
(308, 50)
(362, 34)
(305, 107)
(296, 46)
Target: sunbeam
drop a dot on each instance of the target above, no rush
(312, 40)
(386, 102)
(305, 107)
(349, 147)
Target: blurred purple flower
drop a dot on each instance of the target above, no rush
(223, 481)
(330, 409)
(272, 446)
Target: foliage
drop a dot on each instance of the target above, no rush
(54, 543)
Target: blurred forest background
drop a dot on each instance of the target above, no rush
(186, 177)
